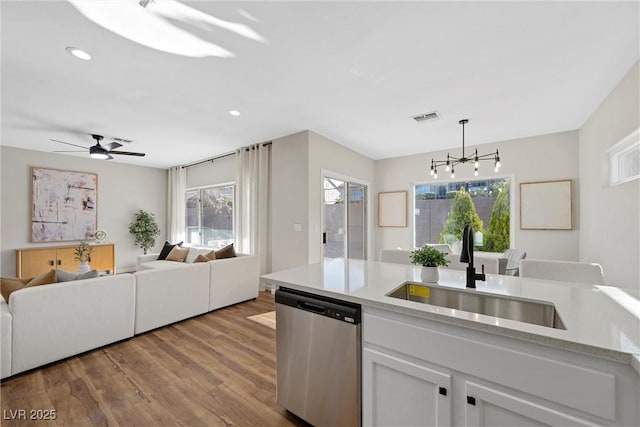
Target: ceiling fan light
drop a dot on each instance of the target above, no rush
(97, 155)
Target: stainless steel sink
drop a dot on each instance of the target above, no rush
(537, 313)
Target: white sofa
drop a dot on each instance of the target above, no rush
(203, 287)
(43, 324)
(46, 323)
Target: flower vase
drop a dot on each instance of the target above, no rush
(84, 267)
(429, 274)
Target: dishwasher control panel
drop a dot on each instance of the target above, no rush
(320, 305)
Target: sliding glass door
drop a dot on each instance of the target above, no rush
(344, 219)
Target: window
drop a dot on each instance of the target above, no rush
(490, 198)
(624, 159)
(210, 216)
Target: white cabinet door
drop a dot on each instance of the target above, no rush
(397, 392)
(490, 407)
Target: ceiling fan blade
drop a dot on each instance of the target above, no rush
(111, 146)
(109, 158)
(71, 151)
(68, 143)
(127, 153)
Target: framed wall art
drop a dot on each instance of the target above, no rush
(546, 205)
(64, 205)
(392, 209)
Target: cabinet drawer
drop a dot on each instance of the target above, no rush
(482, 355)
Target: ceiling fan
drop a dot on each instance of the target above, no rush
(99, 151)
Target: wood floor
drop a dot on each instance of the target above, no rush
(217, 369)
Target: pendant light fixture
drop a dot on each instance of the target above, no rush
(451, 161)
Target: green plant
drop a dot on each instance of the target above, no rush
(145, 230)
(462, 212)
(496, 238)
(428, 256)
(83, 252)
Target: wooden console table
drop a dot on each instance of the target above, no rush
(31, 262)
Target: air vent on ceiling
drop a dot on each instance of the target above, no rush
(426, 116)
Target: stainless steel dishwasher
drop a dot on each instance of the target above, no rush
(318, 358)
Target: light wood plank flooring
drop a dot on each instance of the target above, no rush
(217, 369)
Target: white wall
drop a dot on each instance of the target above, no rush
(122, 190)
(538, 158)
(218, 171)
(289, 177)
(340, 162)
(297, 165)
(610, 215)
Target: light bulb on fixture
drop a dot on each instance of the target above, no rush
(475, 172)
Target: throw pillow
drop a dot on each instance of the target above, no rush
(43, 279)
(66, 276)
(167, 248)
(226, 252)
(177, 254)
(8, 285)
(211, 255)
(201, 258)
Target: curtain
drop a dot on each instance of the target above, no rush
(176, 210)
(251, 212)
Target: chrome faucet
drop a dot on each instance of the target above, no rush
(467, 256)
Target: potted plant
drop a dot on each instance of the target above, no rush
(430, 259)
(83, 254)
(145, 230)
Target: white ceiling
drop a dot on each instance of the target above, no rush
(353, 72)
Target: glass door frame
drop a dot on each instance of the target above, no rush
(367, 208)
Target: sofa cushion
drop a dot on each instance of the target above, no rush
(10, 285)
(67, 276)
(166, 249)
(177, 254)
(226, 252)
(152, 265)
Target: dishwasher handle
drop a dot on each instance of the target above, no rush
(311, 307)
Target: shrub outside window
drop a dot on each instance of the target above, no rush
(209, 216)
(442, 208)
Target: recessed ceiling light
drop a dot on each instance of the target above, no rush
(78, 53)
(234, 113)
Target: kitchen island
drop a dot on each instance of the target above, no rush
(432, 365)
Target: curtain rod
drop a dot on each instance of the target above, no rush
(221, 156)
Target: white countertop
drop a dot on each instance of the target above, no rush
(602, 321)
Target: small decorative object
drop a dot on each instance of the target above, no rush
(83, 254)
(100, 235)
(430, 259)
(145, 230)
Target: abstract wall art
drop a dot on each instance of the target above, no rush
(64, 205)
